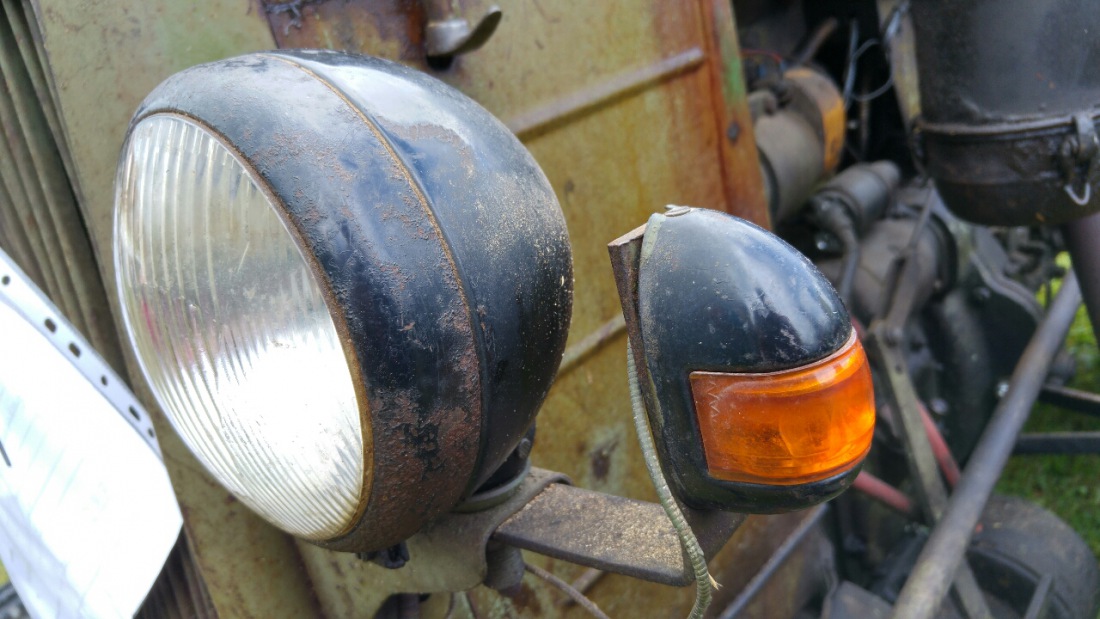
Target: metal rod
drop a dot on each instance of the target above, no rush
(604, 90)
(1075, 400)
(774, 562)
(583, 583)
(592, 342)
(1062, 443)
(942, 555)
(1081, 236)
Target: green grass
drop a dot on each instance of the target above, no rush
(1066, 485)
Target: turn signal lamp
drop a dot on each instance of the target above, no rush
(347, 285)
(789, 427)
(763, 394)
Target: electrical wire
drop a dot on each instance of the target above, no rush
(850, 74)
(703, 579)
(849, 78)
(568, 589)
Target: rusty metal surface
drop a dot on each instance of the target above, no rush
(613, 533)
(609, 161)
(625, 596)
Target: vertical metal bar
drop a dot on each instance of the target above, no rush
(942, 555)
(1082, 238)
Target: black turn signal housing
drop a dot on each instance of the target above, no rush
(759, 393)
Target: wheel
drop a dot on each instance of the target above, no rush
(1019, 542)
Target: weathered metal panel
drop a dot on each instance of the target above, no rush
(41, 223)
(103, 58)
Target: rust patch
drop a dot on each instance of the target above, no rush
(394, 28)
(528, 600)
(600, 458)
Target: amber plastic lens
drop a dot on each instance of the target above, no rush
(791, 427)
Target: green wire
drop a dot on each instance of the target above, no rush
(703, 580)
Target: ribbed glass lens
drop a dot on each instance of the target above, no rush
(232, 331)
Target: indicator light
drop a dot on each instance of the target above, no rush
(757, 390)
(788, 427)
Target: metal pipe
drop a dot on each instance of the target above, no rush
(774, 562)
(942, 555)
(1071, 399)
(1081, 239)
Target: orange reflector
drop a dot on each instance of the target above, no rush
(790, 427)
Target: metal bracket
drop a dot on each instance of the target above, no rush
(450, 554)
(614, 534)
(548, 516)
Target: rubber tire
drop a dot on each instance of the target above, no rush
(1018, 542)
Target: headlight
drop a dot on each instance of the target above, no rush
(347, 285)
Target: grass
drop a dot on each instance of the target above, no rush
(1066, 485)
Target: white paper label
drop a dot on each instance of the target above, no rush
(87, 514)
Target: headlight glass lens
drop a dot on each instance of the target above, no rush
(233, 332)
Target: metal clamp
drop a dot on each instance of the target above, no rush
(1079, 152)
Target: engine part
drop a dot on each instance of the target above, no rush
(971, 319)
(848, 205)
(1009, 93)
(800, 140)
(864, 190)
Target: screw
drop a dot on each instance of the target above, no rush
(524, 448)
(733, 132)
